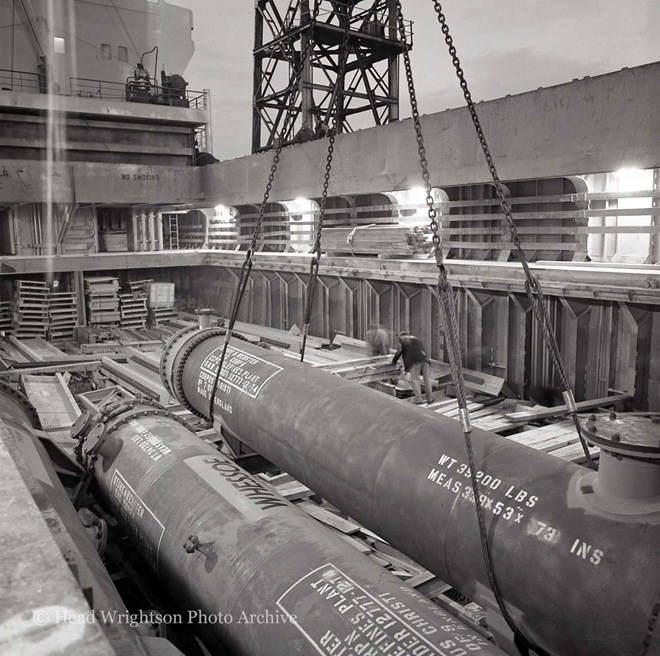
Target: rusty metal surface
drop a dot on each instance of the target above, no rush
(251, 554)
(403, 474)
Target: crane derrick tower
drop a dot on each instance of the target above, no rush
(302, 78)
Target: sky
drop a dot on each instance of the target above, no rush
(505, 46)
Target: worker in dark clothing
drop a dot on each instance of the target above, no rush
(378, 340)
(415, 362)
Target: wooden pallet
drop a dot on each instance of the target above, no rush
(101, 295)
(62, 316)
(159, 315)
(30, 308)
(5, 316)
(133, 310)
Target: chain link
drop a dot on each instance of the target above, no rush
(315, 263)
(449, 327)
(444, 290)
(246, 267)
(532, 284)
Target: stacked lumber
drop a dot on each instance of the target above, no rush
(30, 309)
(133, 310)
(62, 316)
(376, 240)
(161, 302)
(5, 317)
(140, 286)
(101, 295)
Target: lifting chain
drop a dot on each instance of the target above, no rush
(246, 267)
(316, 248)
(449, 327)
(532, 285)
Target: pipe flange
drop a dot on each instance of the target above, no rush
(146, 412)
(81, 425)
(22, 400)
(120, 407)
(628, 436)
(169, 345)
(177, 375)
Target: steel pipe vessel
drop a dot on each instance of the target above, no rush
(250, 571)
(578, 577)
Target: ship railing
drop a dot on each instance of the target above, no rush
(157, 94)
(90, 88)
(11, 80)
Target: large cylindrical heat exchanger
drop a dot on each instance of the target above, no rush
(578, 576)
(250, 571)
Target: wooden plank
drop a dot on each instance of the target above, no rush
(53, 360)
(329, 518)
(279, 336)
(562, 409)
(574, 453)
(95, 400)
(143, 382)
(147, 359)
(24, 349)
(533, 435)
(52, 400)
(474, 380)
(15, 355)
(454, 411)
(352, 362)
(356, 543)
(79, 367)
(46, 347)
(344, 340)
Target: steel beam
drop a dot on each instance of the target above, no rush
(25, 181)
(592, 125)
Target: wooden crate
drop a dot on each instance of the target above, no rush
(161, 295)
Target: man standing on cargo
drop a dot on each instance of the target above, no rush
(415, 362)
